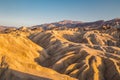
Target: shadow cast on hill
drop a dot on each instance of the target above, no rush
(10, 74)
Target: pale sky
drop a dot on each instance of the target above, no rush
(34, 12)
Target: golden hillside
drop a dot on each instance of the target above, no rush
(17, 60)
(69, 54)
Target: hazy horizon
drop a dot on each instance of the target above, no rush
(34, 12)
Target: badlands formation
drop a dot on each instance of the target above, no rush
(58, 51)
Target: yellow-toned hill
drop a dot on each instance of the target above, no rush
(18, 56)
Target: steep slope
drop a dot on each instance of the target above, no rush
(88, 55)
(17, 60)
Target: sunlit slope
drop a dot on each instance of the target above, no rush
(88, 55)
(18, 56)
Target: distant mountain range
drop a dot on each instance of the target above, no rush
(5, 27)
(72, 24)
(67, 23)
